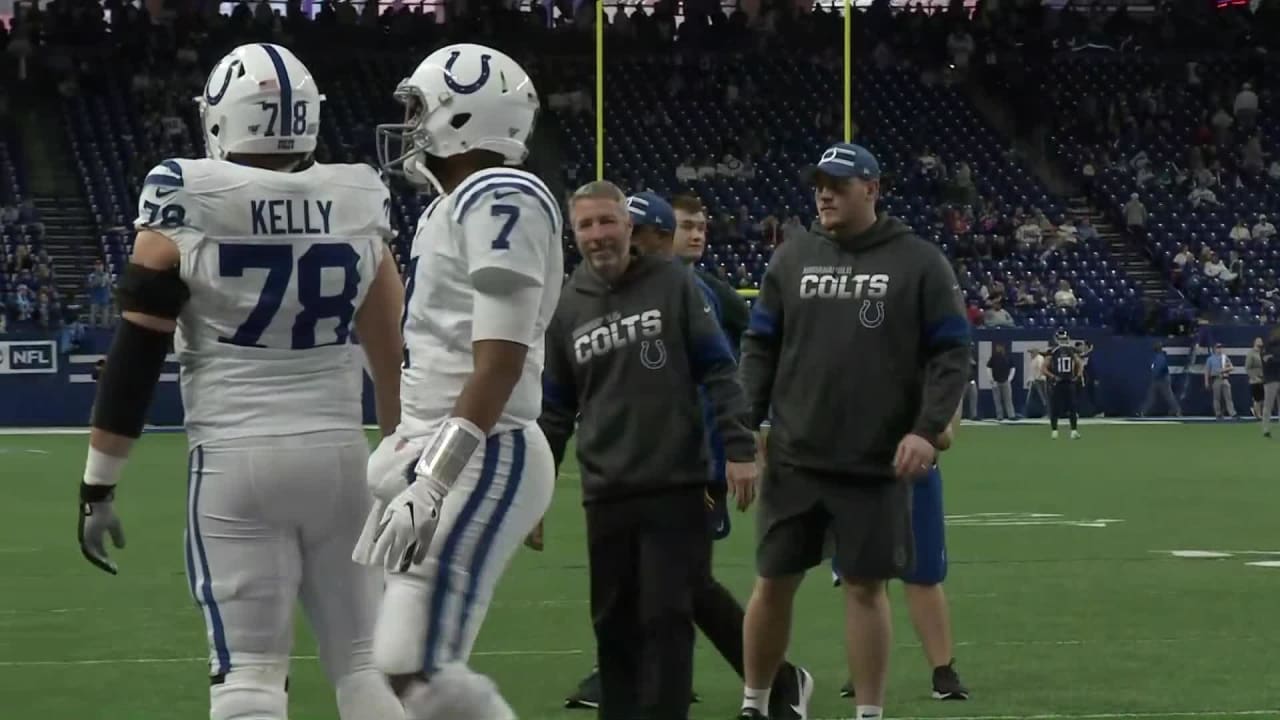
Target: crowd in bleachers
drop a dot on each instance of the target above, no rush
(27, 292)
(733, 106)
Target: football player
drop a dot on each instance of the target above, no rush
(262, 261)
(1063, 371)
(468, 474)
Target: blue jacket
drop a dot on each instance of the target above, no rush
(1160, 366)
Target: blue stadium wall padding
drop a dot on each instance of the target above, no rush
(59, 390)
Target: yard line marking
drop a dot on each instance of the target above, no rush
(175, 660)
(1096, 715)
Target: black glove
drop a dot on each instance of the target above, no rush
(97, 520)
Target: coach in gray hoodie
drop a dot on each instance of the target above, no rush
(630, 343)
(858, 347)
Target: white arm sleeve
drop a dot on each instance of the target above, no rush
(511, 316)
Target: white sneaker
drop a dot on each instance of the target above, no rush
(1053, 435)
(1075, 434)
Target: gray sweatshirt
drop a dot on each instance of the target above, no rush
(626, 360)
(854, 343)
(1253, 366)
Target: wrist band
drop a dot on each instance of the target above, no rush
(101, 468)
(450, 451)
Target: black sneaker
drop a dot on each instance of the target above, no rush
(794, 703)
(752, 714)
(947, 685)
(587, 696)
(846, 690)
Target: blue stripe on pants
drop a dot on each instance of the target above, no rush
(485, 545)
(449, 552)
(206, 583)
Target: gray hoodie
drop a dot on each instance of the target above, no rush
(626, 360)
(854, 343)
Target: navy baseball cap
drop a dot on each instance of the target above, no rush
(648, 208)
(846, 160)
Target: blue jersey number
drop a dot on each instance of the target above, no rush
(410, 283)
(277, 260)
(512, 214)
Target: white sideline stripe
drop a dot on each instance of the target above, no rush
(77, 359)
(83, 378)
(175, 660)
(1092, 715)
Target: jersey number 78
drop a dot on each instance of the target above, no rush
(277, 260)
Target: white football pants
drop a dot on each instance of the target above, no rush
(270, 521)
(431, 614)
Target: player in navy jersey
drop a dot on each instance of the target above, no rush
(1064, 371)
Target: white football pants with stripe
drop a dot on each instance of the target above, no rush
(270, 521)
(431, 614)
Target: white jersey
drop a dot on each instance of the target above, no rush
(277, 264)
(501, 225)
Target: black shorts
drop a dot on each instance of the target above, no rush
(1258, 391)
(1063, 398)
(869, 518)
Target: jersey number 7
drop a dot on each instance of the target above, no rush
(277, 260)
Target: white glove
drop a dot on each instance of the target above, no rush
(408, 523)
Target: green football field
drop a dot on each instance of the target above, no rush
(1067, 601)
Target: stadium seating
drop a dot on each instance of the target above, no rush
(1172, 219)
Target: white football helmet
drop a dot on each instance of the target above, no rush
(260, 99)
(461, 98)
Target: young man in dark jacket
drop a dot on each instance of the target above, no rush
(631, 350)
(858, 352)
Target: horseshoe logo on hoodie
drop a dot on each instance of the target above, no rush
(865, 316)
(653, 354)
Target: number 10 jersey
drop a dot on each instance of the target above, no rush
(277, 263)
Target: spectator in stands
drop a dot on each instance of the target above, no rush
(101, 312)
(9, 215)
(1264, 230)
(1028, 235)
(1246, 107)
(4, 319)
(1202, 197)
(1065, 297)
(1252, 162)
(1273, 171)
(71, 337)
(974, 312)
(1135, 215)
(1161, 387)
(1217, 269)
(792, 228)
(44, 310)
(707, 168)
(24, 303)
(29, 217)
(1217, 379)
(996, 316)
(1085, 230)
(1240, 233)
(1222, 122)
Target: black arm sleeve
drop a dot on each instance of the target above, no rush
(129, 379)
(945, 345)
(715, 370)
(559, 394)
(761, 346)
